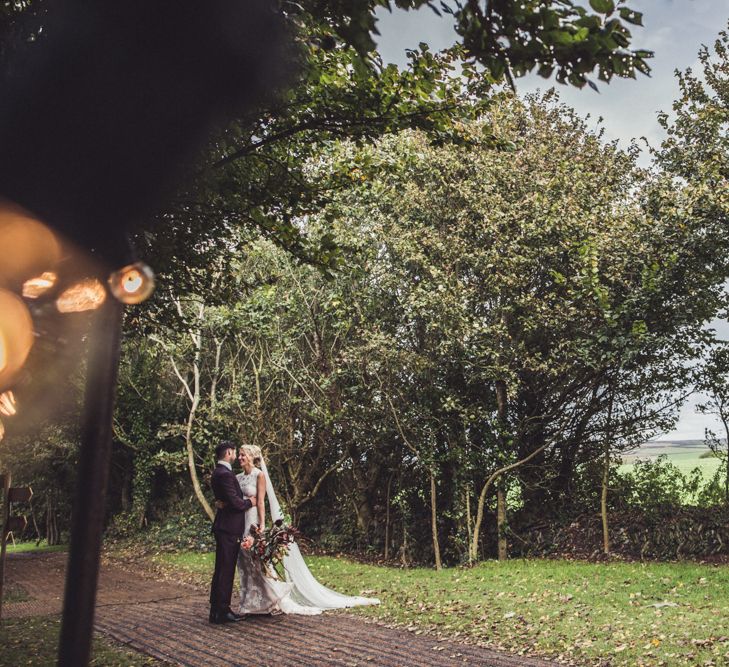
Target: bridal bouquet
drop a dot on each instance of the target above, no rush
(270, 546)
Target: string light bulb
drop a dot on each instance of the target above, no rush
(133, 283)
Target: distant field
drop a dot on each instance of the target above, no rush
(685, 455)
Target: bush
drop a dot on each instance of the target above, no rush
(669, 534)
(656, 484)
(184, 527)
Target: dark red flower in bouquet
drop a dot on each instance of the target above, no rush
(271, 545)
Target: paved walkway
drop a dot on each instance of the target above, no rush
(169, 621)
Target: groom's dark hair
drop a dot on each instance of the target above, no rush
(222, 448)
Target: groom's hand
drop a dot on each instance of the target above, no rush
(253, 500)
(220, 504)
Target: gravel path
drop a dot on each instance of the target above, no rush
(169, 622)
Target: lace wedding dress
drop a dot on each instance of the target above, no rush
(301, 593)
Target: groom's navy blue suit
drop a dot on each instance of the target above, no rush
(228, 530)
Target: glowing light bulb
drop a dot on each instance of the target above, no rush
(39, 285)
(7, 404)
(87, 294)
(133, 283)
(16, 336)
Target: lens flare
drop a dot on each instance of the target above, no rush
(133, 283)
(16, 336)
(39, 285)
(27, 246)
(88, 294)
(7, 404)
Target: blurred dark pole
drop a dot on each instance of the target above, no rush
(101, 114)
(89, 507)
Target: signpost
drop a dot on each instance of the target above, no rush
(10, 524)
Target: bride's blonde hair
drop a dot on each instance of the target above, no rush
(254, 451)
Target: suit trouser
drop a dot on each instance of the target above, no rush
(227, 547)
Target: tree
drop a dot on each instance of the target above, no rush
(254, 175)
(537, 312)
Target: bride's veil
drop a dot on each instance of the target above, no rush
(306, 589)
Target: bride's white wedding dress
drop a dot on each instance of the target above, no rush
(301, 593)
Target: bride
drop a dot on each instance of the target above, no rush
(301, 593)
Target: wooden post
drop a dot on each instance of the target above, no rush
(90, 503)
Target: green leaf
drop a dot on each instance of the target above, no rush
(603, 6)
(627, 14)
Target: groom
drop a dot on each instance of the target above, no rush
(228, 530)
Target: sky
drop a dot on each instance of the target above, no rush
(674, 30)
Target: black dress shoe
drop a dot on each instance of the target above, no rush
(225, 617)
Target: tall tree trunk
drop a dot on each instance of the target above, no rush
(433, 513)
(404, 556)
(603, 500)
(501, 406)
(606, 476)
(197, 341)
(193, 393)
(215, 376)
(484, 491)
(387, 518)
(501, 522)
(38, 536)
(725, 421)
(434, 522)
(469, 527)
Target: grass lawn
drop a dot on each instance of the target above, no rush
(43, 547)
(602, 614)
(34, 641)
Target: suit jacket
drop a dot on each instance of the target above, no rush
(231, 519)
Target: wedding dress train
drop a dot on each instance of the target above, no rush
(301, 593)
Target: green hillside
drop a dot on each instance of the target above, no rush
(684, 454)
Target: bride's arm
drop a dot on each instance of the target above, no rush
(260, 499)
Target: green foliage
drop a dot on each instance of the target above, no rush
(183, 526)
(658, 485)
(506, 36)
